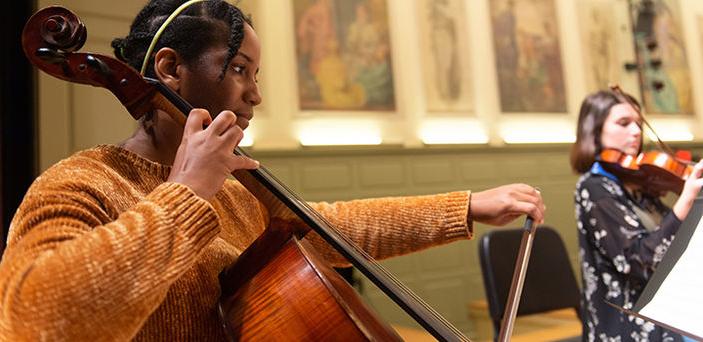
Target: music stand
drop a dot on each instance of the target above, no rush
(667, 269)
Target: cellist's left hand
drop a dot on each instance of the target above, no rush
(204, 158)
(502, 205)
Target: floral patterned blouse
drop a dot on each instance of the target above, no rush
(622, 238)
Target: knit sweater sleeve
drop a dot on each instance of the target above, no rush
(72, 273)
(391, 226)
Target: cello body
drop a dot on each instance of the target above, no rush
(289, 293)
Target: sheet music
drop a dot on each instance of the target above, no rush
(679, 297)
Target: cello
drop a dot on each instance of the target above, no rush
(253, 303)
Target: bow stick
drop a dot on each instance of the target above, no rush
(523, 258)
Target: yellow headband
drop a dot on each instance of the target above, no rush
(170, 18)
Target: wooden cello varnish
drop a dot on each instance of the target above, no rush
(295, 296)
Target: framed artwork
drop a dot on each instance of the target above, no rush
(661, 53)
(528, 56)
(343, 53)
(606, 40)
(445, 56)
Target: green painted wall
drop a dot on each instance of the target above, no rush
(446, 277)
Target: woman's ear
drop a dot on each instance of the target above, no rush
(167, 67)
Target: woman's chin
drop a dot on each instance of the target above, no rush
(633, 151)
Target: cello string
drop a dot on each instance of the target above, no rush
(322, 222)
(332, 230)
(372, 264)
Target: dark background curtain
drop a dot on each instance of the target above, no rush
(18, 136)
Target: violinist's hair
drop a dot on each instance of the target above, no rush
(594, 110)
(197, 28)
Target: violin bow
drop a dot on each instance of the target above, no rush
(523, 259)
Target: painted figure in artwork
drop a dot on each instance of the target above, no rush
(343, 52)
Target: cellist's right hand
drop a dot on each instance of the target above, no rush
(205, 156)
(501, 205)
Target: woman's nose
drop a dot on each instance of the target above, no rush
(253, 96)
(635, 129)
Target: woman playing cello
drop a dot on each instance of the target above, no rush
(126, 241)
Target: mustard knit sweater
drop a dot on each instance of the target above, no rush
(102, 248)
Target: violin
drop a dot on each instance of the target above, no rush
(656, 172)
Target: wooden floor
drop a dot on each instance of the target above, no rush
(413, 334)
(562, 332)
(567, 331)
(561, 325)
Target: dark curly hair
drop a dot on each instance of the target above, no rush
(197, 28)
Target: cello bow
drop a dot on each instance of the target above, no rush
(513, 302)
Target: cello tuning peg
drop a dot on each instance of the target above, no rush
(98, 65)
(51, 55)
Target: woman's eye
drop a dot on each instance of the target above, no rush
(238, 69)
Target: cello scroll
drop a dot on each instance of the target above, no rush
(50, 40)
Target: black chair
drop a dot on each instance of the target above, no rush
(549, 283)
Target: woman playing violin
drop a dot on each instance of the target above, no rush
(623, 233)
(126, 241)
